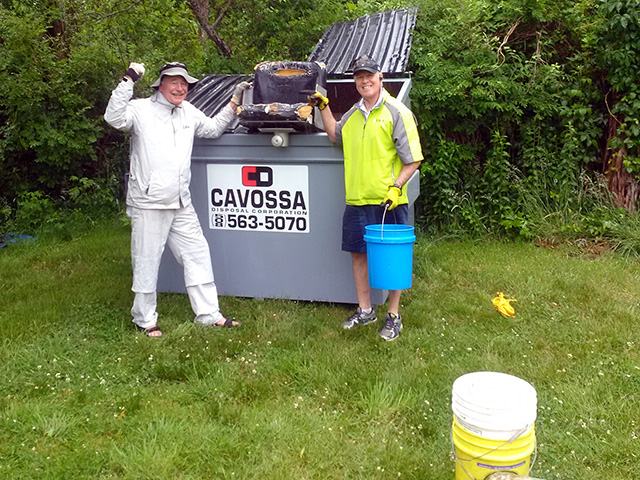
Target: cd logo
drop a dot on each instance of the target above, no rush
(257, 176)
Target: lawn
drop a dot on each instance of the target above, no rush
(292, 396)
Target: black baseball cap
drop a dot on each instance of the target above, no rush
(365, 63)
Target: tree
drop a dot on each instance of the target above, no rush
(509, 114)
(617, 47)
(58, 62)
(515, 98)
(200, 10)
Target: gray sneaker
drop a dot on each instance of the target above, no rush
(358, 318)
(392, 327)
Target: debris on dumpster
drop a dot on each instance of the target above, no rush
(275, 113)
(286, 82)
(279, 96)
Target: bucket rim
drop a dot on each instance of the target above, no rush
(495, 426)
(481, 387)
(376, 227)
(388, 240)
(525, 409)
(495, 433)
(389, 233)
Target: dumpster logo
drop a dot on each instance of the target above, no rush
(257, 176)
(262, 198)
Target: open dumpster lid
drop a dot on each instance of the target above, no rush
(214, 92)
(385, 36)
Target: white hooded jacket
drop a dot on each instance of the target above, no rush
(161, 143)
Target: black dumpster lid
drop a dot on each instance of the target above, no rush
(213, 92)
(385, 36)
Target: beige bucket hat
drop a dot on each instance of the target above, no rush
(172, 69)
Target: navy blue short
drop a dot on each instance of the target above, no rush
(355, 218)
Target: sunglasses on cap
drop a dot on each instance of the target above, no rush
(167, 66)
(365, 62)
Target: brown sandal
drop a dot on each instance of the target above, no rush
(228, 323)
(149, 330)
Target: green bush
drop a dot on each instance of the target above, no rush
(47, 130)
(34, 211)
(84, 204)
(508, 110)
(521, 104)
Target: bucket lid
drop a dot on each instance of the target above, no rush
(495, 401)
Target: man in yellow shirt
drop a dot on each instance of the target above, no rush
(379, 138)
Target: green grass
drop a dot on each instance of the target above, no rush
(291, 395)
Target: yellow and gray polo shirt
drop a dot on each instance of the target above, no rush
(375, 147)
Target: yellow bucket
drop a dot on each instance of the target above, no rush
(477, 457)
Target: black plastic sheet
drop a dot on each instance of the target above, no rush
(287, 82)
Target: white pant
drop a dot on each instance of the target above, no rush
(151, 230)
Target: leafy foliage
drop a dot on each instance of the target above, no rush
(46, 131)
(516, 100)
(511, 89)
(617, 46)
(58, 63)
(285, 30)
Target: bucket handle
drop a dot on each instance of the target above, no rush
(384, 214)
(386, 206)
(513, 437)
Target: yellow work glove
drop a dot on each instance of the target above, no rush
(503, 306)
(318, 100)
(392, 197)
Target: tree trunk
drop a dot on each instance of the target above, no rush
(200, 9)
(621, 183)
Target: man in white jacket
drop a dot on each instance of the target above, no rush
(162, 129)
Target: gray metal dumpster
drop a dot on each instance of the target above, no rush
(273, 214)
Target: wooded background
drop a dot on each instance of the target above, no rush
(526, 108)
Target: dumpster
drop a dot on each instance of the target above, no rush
(270, 198)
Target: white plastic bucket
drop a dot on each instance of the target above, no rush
(493, 427)
(494, 405)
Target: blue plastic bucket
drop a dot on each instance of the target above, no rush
(390, 256)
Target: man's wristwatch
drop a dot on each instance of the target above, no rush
(396, 185)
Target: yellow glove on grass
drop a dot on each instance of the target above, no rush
(503, 306)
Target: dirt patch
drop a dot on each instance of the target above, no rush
(577, 247)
